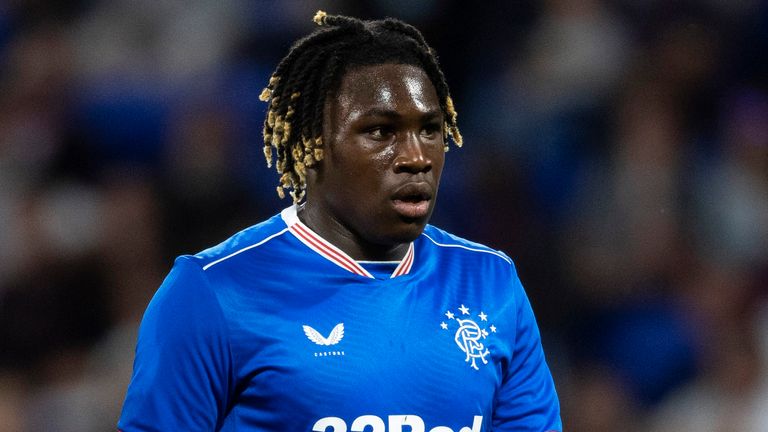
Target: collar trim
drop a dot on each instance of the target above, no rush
(330, 252)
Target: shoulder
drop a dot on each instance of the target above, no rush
(249, 239)
(196, 281)
(451, 244)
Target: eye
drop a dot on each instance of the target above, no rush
(431, 130)
(380, 132)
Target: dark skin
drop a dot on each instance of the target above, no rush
(375, 188)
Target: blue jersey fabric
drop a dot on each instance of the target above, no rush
(275, 330)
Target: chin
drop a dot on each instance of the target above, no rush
(410, 230)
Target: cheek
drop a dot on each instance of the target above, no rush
(366, 159)
(356, 174)
(382, 159)
(438, 160)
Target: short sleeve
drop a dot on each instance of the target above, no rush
(182, 372)
(527, 401)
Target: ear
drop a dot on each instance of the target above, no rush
(314, 174)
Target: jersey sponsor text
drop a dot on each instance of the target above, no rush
(395, 423)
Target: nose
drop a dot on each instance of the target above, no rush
(412, 155)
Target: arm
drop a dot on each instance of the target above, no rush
(182, 373)
(527, 400)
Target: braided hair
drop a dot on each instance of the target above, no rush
(312, 70)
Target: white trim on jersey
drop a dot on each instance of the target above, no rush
(210, 264)
(330, 252)
(492, 252)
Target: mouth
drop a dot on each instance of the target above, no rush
(412, 200)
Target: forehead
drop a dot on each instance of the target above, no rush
(391, 87)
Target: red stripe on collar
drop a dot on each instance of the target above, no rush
(326, 249)
(334, 254)
(405, 265)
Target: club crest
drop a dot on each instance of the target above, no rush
(471, 331)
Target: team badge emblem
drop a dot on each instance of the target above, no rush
(470, 335)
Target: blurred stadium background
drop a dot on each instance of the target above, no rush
(616, 149)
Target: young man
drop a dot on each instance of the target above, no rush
(346, 311)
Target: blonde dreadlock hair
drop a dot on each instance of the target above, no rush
(312, 70)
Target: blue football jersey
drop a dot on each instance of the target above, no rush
(276, 329)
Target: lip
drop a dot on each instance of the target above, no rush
(412, 200)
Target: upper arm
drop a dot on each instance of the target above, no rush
(527, 400)
(183, 367)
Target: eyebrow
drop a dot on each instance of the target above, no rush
(392, 114)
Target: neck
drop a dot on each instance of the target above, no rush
(353, 244)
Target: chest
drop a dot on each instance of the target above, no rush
(420, 347)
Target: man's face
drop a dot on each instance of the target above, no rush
(383, 154)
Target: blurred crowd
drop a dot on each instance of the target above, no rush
(616, 149)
